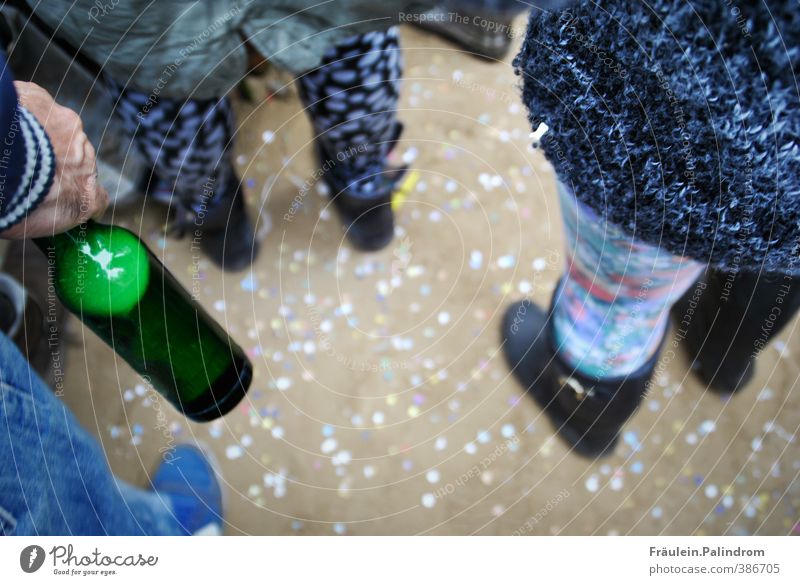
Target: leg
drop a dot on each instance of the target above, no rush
(729, 318)
(589, 360)
(187, 144)
(612, 308)
(352, 102)
(54, 479)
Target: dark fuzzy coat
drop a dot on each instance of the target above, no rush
(678, 121)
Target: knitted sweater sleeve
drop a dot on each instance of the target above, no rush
(27, 162)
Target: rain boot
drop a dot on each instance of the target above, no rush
(588, 413)
(364, 205)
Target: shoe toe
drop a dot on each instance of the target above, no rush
(373, 229)
(190, 483)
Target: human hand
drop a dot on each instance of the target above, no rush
(75, 195)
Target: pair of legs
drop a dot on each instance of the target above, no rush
(352, 102)
(54, 478)
(588, 360)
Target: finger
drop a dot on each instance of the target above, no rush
(102, 201)
(79, 151)
(88, 154)
(95, 197)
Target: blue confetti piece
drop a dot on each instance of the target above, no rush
(249, 283)
(632, 439)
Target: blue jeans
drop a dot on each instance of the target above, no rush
(54, 477)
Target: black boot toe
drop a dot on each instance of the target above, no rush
(588, 414)
(369, 225)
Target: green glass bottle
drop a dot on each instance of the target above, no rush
(118, 288)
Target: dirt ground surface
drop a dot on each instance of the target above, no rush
(381, 402)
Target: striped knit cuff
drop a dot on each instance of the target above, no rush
(37, 176)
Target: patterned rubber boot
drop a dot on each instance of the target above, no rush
(365, 205)
(352, 102)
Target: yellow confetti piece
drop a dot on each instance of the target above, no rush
(413, 411)
(391, 400)
(406, 187)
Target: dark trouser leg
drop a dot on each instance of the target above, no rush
(729, 317)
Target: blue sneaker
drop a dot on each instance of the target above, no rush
(189, 483)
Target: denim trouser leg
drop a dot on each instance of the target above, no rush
(54, 478)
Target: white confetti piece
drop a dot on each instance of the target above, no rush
(475, 259)
(233, 451)
(329, 445)
(707, 427)
(507, 261)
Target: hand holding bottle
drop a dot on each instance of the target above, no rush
(75, 196)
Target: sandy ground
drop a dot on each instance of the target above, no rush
(381, 404)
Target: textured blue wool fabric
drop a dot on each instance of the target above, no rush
(677, 120)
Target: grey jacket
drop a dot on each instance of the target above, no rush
(190, 48)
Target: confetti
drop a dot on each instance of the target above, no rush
(428, 500)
